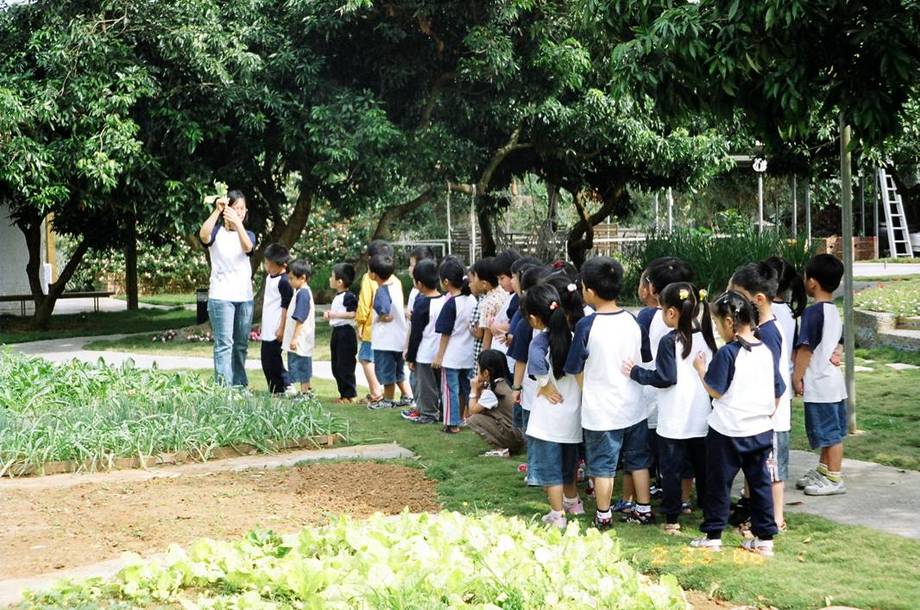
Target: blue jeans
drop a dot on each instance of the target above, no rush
(230, 323)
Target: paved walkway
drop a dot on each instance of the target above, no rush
(65, 350)
(884, 269)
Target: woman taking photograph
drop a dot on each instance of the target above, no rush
(230, 292)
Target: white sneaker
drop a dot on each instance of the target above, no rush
(807, 479)
(825, 487)
(705, 544)
(574, 507)
(556, 520)
(764, 548)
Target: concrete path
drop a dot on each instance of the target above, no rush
(65, 350)
(884, 269)
(72, 306)
(11, 591)
(880, 497)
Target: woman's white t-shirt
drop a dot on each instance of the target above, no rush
(231, 272)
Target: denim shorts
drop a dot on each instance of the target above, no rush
(825, 423)
(778, 460)
(389, 367)
(550, 463)
(517, 416)
(366, 352)
(300, 368)
(604, 449)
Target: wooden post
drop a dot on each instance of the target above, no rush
(131, 264)
(849, 330)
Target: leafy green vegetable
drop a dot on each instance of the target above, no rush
(426, 561)
(95, 414)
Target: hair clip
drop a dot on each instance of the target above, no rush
(684, 294)
(703, 293)
(571, 287)
(553, 306)
(559, 264)
(465, 278)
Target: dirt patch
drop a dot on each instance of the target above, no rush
(52, 529)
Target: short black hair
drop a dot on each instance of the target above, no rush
(301, 268)
(667, 270)
(382, 266)
(420, 253)
(604, 276)
(344, 272)
(379, 246)
(486, 270)
(756, 277)
(826, 269)
(525, 261)
(426, 273)
(504, 261)
(531, 275)
(277, 254)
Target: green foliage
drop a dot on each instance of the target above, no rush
(485, 561)
(713, 257)
(897, 297)
(98, 413)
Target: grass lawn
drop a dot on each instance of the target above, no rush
(180, 298)
(887, 412)
(142, 344)
(898, 296)
(16, 330)
(818, 562)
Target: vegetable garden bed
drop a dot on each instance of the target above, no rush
(71, 417)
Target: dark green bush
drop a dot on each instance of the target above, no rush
(713, 258)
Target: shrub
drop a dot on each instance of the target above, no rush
(426, 561)
(713, 257)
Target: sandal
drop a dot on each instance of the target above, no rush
(671, 529)
(499, 453)
(452, 429)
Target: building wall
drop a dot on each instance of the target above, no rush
(13, 259)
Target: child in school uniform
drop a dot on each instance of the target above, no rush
(491, 406)
(522, 334)
(388, 333)
(757, 282)
(454, 358)
(364, 322)
(614, 415)
(423, 344)
(554, 427)
(275, 302)
(418, 253)
(740, 433)
(790, 301)
(501, 322)
(300, 328)
(683, 403)
(343, 343)
(819, 379)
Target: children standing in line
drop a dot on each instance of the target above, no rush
(364, 319)
(300, 329)
(554, 428)
(790, 300)
(275, 302)
(501, 322)
(613, 415)
(683, 403)
(740, 426)
(343, 344)
(423, 344)
(757, 283)
(388, 333)
(522, 334)
(455, 352)
(493, 300)
(418, 253)
(819, 380)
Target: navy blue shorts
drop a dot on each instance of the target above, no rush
(604, 448)
(300, 368)
(550, 463)
(366, 352)
(389, 367)
(825, 423)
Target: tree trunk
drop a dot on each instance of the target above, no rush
(131, 264)
(384, 228)
(486, 234)
(581, 236)
(44, 306)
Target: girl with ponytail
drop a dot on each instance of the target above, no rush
(454, 358)
(683, 403)
(790, 300)
(740, 435)
(554, 428)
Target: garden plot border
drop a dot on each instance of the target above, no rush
(161, 459)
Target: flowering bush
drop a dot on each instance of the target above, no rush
(427, 561)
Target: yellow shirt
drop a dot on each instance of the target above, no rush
(363, 316)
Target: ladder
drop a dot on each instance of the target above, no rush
(895, 221)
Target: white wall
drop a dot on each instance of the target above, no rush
(13, 259)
